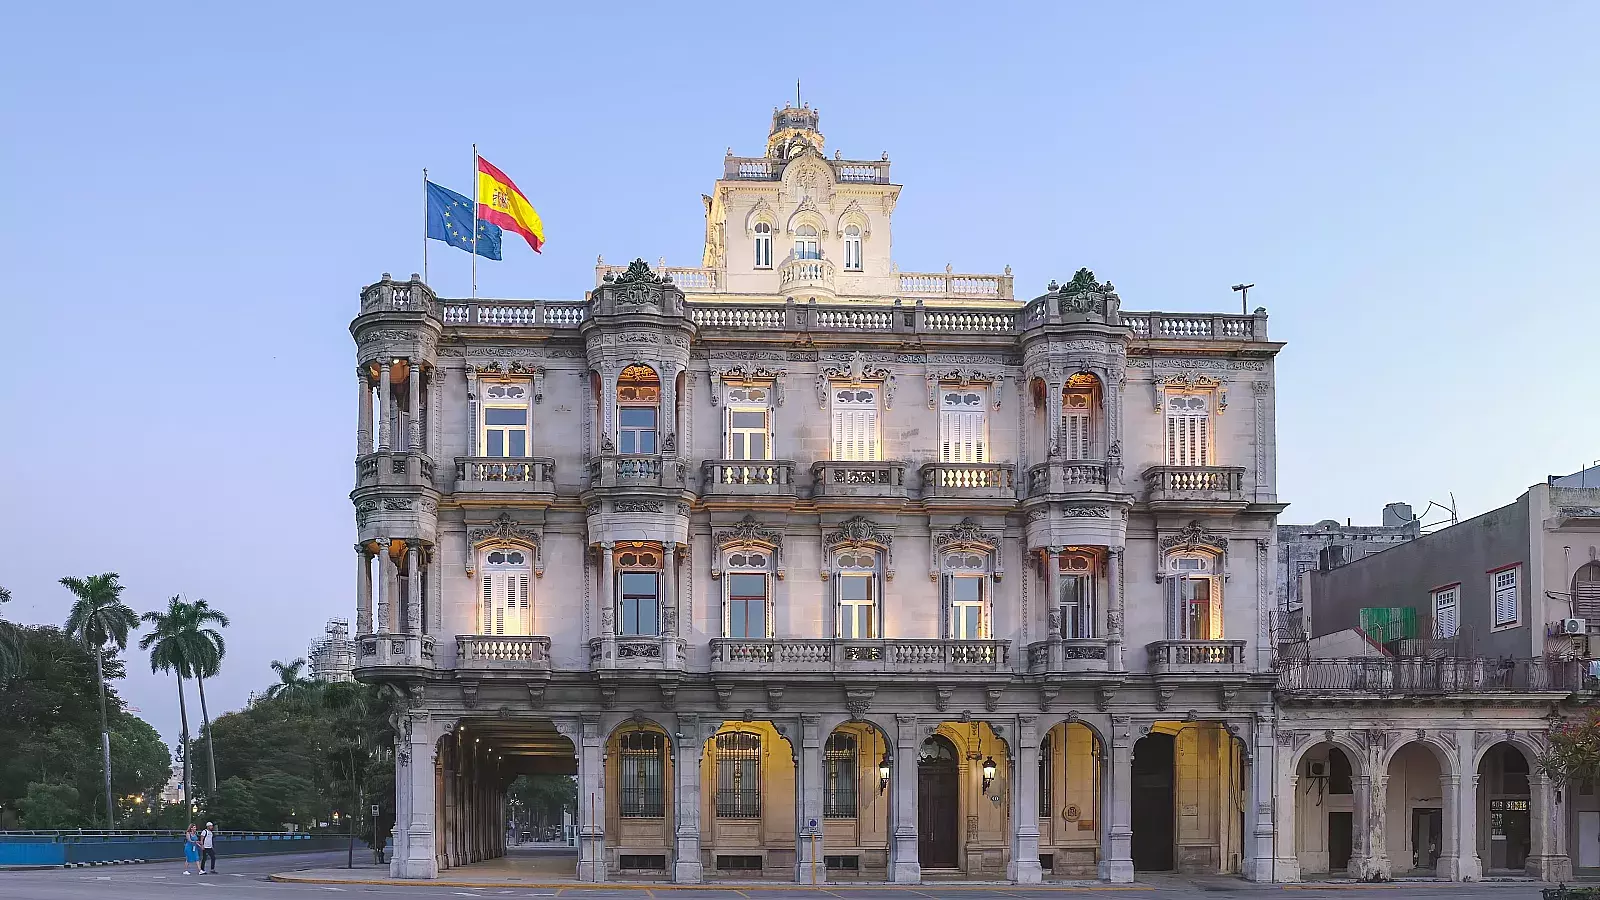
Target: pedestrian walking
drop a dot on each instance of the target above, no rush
(191, 850)
(208, 849)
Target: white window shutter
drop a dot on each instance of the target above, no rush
(1175, 617)
(488, 603)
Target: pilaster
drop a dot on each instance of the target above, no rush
(1024, 777)
(904, 867)
(687, 753)
(1259, 828)
(1116, 852)
(591, 801)
(414, 855)
(809, 866)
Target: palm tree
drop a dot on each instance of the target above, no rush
(209, 650)
(99, 617)
(291, 684)
(10, 643)
(173, 648)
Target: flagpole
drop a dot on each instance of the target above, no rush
(474, 221)
(424, 226)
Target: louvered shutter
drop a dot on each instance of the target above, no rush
(1505, 597)
(1175, 611)
(488, 604)
(1586, 591)
(1446, 618)
(1075, 428)
(855, 429)
(524, 615)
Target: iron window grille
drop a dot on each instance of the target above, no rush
(1046, 782)
(641, 775)
(839, 793)
(738, 775)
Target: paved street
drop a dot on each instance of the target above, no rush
(246, 878)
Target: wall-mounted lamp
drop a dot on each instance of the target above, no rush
(883, 772)
(989, 769)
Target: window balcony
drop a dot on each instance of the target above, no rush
(800, 275)
(833, 479)
(1067, 477)
(1420, 676)
(969, 481)
(500, 653)
(394, 467)
(1067, 656)
(384, 651)
(853, 657)
(617, 470)
(1197, 658)
(1195, 486)
(747, 478)
(638, 653)
(502, 475)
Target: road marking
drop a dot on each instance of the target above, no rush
(102, 878)
(330, 888)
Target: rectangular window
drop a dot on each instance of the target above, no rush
(504, 432)
(963, 425)
(1077, 436)
(839, 787)
(855, 424)
(747, 434)
(857, 618)
(1446, 612)
(1506, 612)
(637, 429)
(1077, 605)
(1195, 603)
(1188, 430)
(738, 776)
(639, 773)
(966, 608)
(640, 605)
(505, 604)
(747, 605)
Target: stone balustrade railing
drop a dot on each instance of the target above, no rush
(950, 285)
(1405, 676)
(806, 275)
(1196, 657)
(391, 467)
(1068, 655)
(742, 316)
(624, 470)
(1066, 477)
(764, 168)
(883, 656)
(514, 313)
(747, 477)
(969, 480)
(834, 478)
(505, 474)
(1196, 326)
(386, 650)
(485, 651)
(1195, 484)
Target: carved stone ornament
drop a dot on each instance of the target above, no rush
(536, 693)
(1085, 297)
(1188, 539)
(991, 700)
(859, 530)
(747, 532)
(724, 696)
(469, 694)
(857, 369)
(858, 701)
(742, 373)
(941, 698)
(638, 287)
(1047, 697)
(669, 694)
(774, 697)
(963, 377)
(1184, 383)
(1103, 699)
(608, 696)
(505, 528)
(968, 534)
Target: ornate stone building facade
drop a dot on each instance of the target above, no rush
(809, 568)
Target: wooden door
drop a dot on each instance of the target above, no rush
(938, 778)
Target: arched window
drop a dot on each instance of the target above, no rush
(1078, 582)
(806, 245)
(638, 405)
(1194, 597)
(640, 756)
(504, 582)
(748, 583)
(638, 591)
(738, 775)
(963, 424)
(966, 588)
(856, 586)
(763, 245)
(1586, 591)
(841, 767)
(505, 419)
(852, 248)
(749, 422)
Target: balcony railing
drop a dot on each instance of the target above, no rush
(1073, 655)
(887, 656)
(390, 467)
(499, 474)
(1197, 657)
(514, 313)
(1066, 477)
(1195, 484)
(394, 650)
(800, 275)
(1192, 327)
(613, 470)
(1404, 676)
(969, 481)
(747, 477)
(951, 285)
(521, 654)
(833, 479)
(638, 653)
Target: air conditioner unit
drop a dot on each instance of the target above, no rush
(1317, 768)
(1573, 626)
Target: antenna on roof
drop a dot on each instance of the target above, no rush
(797, 94)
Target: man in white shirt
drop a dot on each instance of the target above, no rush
(208, 851)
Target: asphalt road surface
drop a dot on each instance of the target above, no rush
(245, 878)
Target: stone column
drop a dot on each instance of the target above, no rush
(1111, 403)
(669, 605)
(904, 867)
(414, 425)
(1260, 859)
(1469, 866)
(1548, 860)
(1369, 854)
(385, 401)
(1052, 408)
(384, 625)
(1024, 787)
(473, 449)
(1052, 607)
(363, 591)
(668, 420)
(448, 826)
(1116, 806)
(608, 606)
(809, 866)
(363, 415)
(1288, 851)
(687, 751)
(591, 801)
(414, 782)
(414, 589)
(430, 425)
(1450, 841)
(1114, 608)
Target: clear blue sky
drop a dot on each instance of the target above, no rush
(195, 195)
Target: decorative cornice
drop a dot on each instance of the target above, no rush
(855, 369)
(746, 372)
(966, 534)
(964, 377)
(747, 532)
(858, 530)
(505, 528)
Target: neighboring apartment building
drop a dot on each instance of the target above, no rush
(810, 568)
(1416, 715)
(1303, 549)
(334, 657)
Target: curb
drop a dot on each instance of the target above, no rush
(285, 878)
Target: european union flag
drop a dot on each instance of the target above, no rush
(449, 218)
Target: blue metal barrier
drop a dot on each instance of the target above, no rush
(70, 847)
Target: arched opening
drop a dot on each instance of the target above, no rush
(1505, 809)
(507, 788)
(806, 245)
(1187, 796)
(964, 782)
(856, 769)
(1414, 815)
(639, 799)
(1586, 591)
(852, 248)
(1071, 765)
(1325, 829)
(638, 410)
(1082, 422)
(1152, 815)
(763, 245)
(747, 797)
(938, 803)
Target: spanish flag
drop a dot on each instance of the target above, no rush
(500, 202)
